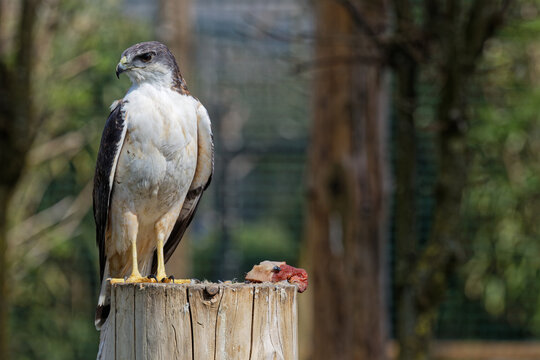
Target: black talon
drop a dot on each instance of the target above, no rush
(152, 277)
(171, 278)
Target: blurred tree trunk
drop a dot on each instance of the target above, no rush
(406, 235)
(346, 184)
(18, 126)
(445, 46)
(176, 31)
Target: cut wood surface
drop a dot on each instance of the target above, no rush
(201, 322)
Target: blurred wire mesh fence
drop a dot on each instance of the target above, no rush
(244, 72)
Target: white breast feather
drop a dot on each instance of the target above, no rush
(159, 157)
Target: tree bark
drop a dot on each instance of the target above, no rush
(346, 213)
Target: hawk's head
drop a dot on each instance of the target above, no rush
(150, 62)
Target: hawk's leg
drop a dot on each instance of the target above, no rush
(160, 261)
(163, 228)
(132, 227)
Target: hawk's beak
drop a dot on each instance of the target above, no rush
(121, 67)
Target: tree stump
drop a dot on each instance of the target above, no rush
(201, 322)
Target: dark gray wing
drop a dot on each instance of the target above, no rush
(112, 140)
(200, 182)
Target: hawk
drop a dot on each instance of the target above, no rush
(154, 162)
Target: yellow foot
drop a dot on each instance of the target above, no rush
(172, 280)
(140, 279)
(131, 279)
(116, 280)
(182, 281)
(162, 277)
(137, 278)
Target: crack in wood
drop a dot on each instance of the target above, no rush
(188, 299)
(253, 292)
(219, 292)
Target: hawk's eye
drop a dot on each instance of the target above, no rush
(146, 57)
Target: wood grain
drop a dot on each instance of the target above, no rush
(124, 316)
(107, 349)
(204, 310)
(201, 321)
(234, 320)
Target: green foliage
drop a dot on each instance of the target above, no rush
(502, 204)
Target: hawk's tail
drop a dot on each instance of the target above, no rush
(104, 302)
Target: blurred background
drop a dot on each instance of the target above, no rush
(391, 148)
